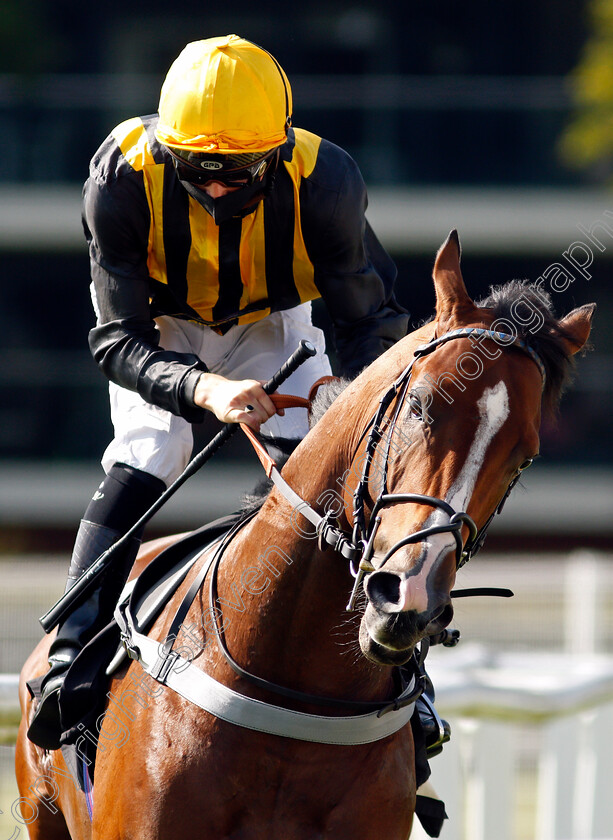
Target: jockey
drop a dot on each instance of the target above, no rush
(211, 225)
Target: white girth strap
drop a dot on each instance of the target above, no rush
(219, 700)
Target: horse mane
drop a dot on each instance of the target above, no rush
(548, 340)
(325, 396)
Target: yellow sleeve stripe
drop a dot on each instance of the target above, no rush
(132, 139)
(306, 151)
(153, 182)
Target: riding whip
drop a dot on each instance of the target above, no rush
(80, 589)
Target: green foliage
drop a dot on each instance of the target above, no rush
(587, 142)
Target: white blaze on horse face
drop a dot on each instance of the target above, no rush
(493, 411)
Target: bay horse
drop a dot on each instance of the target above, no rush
(406, 468)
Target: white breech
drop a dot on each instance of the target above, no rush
(158, 442)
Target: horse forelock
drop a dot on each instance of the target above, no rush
(529, 309)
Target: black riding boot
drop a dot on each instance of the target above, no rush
(436, 730)
(121, 486)
(81, 625)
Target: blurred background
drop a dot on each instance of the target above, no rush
(496, 119)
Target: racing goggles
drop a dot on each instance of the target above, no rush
(240, 170)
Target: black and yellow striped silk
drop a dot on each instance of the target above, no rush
(238, 271)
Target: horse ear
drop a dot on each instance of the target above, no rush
(448, 283)
(577, 325)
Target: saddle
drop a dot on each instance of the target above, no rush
(83, 697)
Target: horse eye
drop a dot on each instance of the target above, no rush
(415, 406)
(525, 464)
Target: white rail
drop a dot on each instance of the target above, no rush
(531, 754)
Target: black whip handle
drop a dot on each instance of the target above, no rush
(82, 586)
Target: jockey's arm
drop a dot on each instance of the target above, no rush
(125, 345)
(353, 272)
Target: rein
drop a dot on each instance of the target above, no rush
(409, 681)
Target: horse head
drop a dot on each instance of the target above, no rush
(462, 426)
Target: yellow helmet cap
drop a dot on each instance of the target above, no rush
(222, 96)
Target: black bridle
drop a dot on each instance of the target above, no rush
(382, 427)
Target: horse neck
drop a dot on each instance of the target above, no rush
(305, 637)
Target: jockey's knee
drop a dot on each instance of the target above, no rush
(163, 454)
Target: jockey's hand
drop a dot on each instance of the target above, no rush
(234, 401)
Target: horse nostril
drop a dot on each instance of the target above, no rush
(445, 616)
(383, 590)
